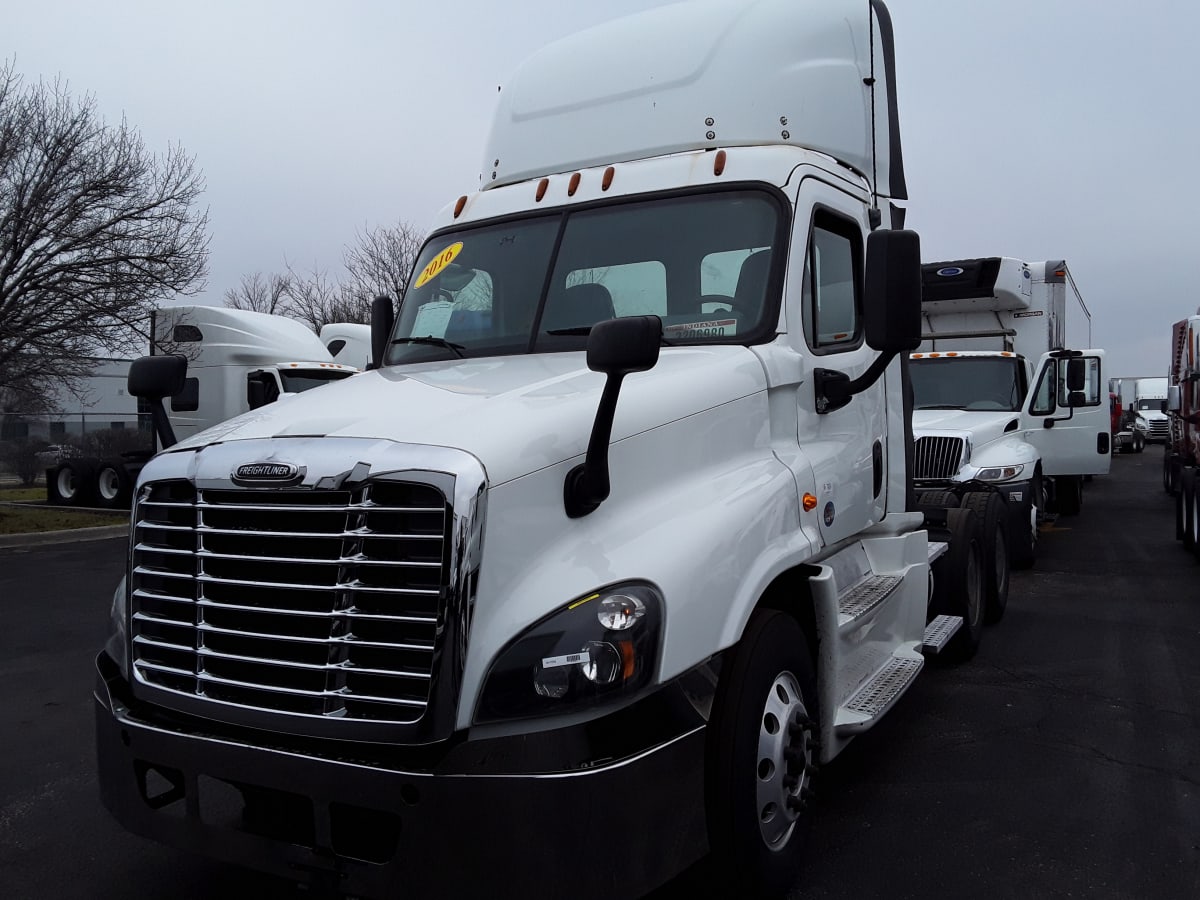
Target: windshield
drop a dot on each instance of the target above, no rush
(968, 382)
(538, 284)
(303, 380)
(1155, 405)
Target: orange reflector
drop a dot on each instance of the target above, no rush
(458, 207)
(952, 354)
(628, 660)
(719, 163)
(573, 185)
(810, 502)
(606, 181)
(541, 189)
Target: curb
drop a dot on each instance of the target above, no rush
(69, 536)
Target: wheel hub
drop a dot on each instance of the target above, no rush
(786, 745)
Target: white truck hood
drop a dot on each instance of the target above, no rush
(516, 414)
(983, 426)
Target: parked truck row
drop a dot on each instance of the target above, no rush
(625, 532)
(1181, 461)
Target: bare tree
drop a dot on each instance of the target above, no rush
(94, 233)
(261, 293)
(381, 262)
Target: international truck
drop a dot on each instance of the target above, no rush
(614, 545)
(238, 361)
(1181, 460)
(993, 404)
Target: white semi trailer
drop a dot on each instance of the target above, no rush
(994, 405)
(612, 546)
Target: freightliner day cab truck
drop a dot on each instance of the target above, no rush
(238, 360)
(1181, 461)
(994, 403)
(612, 546)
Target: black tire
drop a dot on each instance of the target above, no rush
(937, 500)
(761, 754)
(993, 517)
(1171, 471)
(1023, 537)
(958, 584)
(113, 486)
(1068, 490)
(72, 482)
(1139, 442)
(1185, 509)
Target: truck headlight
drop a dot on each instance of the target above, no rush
(593, 651)
(117, 644)
(1000, 473)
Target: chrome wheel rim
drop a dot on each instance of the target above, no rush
(784, 763)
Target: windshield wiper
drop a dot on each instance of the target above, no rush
(434, 342)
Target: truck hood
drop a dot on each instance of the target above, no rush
(516, 414)
(983, 426)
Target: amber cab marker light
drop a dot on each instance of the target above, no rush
(541, 189)
(458, 207)
(573, 185)
(606, 181)
(719, 163)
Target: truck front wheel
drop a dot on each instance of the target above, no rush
(958, 583)
(761, 756)
(1024, 533)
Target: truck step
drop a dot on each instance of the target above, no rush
(865, 597)
(868, 704)
(938, 633)
(936, 549)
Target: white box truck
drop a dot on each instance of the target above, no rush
(993, 400)
(612, 546)
(238, 360)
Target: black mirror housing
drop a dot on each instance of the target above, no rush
(892, 295)
(1076, 374)
(383, 317)
(155, 377)
(625, 345)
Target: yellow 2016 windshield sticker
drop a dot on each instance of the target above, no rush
(440, 262)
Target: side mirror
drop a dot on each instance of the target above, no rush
(892, 295)
(1076, 375)
(617, 348)
(383, 317)
(256, 392)
(152, 378)
(1174, 401)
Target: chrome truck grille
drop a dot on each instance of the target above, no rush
(311, 603)
(937, 458)
(1159, 429)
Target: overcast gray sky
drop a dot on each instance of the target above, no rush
(1040, 129)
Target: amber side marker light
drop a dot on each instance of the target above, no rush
(607, 180)
(810, 502)
(458, 207)
(573, 185)
(719, 163)
(541, 189)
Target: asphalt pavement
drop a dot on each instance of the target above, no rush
(1063, 761)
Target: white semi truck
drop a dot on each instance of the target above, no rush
(237, 361)
(612, 547)
(993, 401)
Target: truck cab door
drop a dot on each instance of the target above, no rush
(1070, 428)
(847, 447)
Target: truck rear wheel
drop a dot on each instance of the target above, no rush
(958, 583)
(112, 484)
(993, 516)
(761, 756)
(72, 482)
